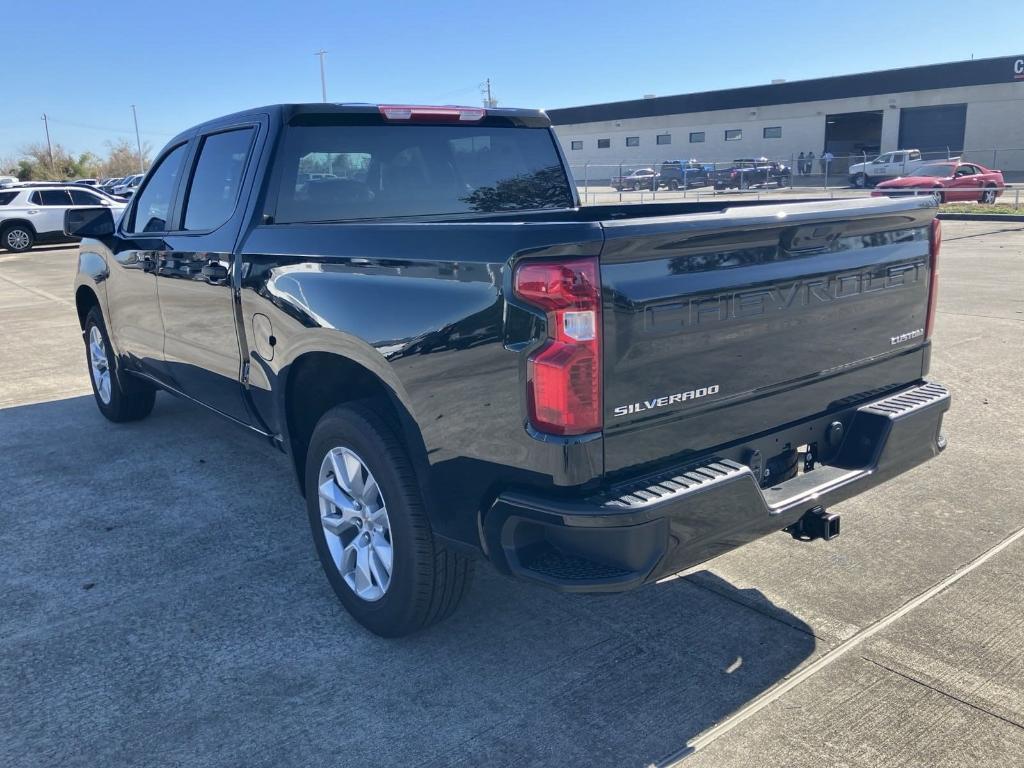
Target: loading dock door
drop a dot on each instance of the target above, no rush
(934, 130)
(852, 133)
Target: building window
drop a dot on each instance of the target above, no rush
(733, 134)
(664, 138)
(577, 145)
(697, 137)
(774, 132)
(604, 143)
(632, 141)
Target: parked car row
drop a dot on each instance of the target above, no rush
(33, 213)
(686, 174)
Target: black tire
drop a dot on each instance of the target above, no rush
(744, 182)
(988, 196)
(860, 181)
(17, 238)
(428, 581)
(781, 182)
(131, 399)
(673, 185)
(636, 186)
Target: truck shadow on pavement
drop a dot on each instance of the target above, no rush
(160, 602)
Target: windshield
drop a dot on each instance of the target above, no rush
(937, 171)
(338, 172)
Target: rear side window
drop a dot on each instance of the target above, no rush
(218, 177)
(6, 197)
(153, 203)
(330, 173)
(51, 197)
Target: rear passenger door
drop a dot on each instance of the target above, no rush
(47, 213)
(197, 276)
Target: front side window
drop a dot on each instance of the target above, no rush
(664, 138)
(733, 134)
(153, 202)
(339, 172)
(217, 179)
(81, 197)
(577, 145)
(632, 141)
(604, 143)
(697, 137)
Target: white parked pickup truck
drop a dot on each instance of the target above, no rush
(884, 167)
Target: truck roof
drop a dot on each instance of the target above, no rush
(530, 118)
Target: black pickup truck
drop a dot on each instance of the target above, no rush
(463, 363)
(749, 172)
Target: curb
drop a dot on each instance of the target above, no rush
(980, 217)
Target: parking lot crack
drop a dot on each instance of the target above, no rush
(945, 693)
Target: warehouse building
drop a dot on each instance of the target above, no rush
(971, 108)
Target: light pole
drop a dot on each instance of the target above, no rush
(138, 141)
(323, 80)
(49, 146)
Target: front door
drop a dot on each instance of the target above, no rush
(966, 185)
(134, 313)
(196, 276)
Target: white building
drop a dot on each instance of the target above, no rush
(971, 108)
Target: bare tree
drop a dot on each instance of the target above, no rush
(123, 158)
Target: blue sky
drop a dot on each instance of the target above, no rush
(181, 62)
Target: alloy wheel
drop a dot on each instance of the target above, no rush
(354, 517)
(99, 365)
(18, 239)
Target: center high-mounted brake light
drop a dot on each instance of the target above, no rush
(564, 375)
(935, 245)
(431, 114)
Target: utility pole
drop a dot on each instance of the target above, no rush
(323, 80)
(138, 141)
(49, 146)
(489, 101)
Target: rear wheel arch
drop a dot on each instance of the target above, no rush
(316, 382)
(6, 224)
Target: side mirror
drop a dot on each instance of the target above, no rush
(88, 222)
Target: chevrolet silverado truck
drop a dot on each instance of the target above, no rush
(463, 364)
(749, 172)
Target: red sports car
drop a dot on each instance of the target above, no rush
(952, 180)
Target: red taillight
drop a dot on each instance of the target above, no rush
(933, 276)
(431, 114)
(564, 376)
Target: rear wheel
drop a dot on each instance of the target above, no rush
(988, 197)
(636, 186)
(17, 238)
(860, 181)
(744, 182)
(119, 396)
(371, 529)
(673, 185)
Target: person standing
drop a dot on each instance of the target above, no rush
(810, 162)
(826, 160)
(800, 164)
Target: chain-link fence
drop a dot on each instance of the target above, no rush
(634, 181)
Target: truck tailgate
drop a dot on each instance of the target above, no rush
(723, 325)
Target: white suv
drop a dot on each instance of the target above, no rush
(35, 214)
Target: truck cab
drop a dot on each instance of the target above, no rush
(888, 165)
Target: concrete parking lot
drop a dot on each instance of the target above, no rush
(161, 603)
